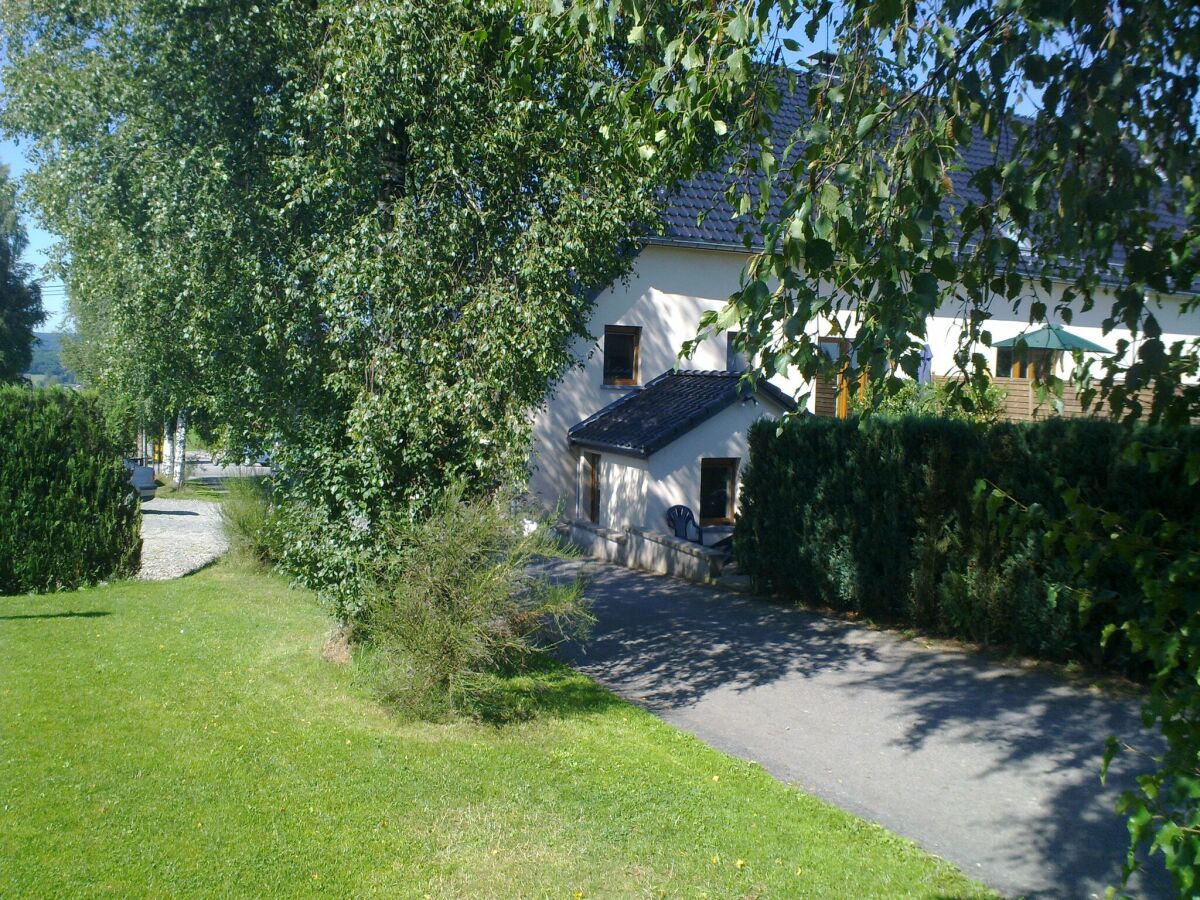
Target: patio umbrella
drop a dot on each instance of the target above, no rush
(1052, 337)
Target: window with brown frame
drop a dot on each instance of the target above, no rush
(591, 486)
(621, 350)
(1029, 362)
(718, 491)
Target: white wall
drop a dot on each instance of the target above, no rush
(675, 469)
(623, 491)
(639, 492)
(666, 293)
(945, 328)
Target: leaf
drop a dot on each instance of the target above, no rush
(925, 286)
(865, 125)
(728, 315)
(818, 255)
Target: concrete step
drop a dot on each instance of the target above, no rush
(731, 581)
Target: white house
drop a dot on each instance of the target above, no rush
(626, 436)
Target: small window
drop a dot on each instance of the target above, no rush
(1004, 361)
(834, 348)
(735, 353)
(621, 347)
(718, 480)
(1025, 363)
(591, 486)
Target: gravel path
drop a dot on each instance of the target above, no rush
(179, 536)
(995, 768)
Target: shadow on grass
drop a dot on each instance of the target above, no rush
(533, 687)
(93, 614)
(538, 687)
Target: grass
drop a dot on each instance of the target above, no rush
(190, 490)
(188, 738)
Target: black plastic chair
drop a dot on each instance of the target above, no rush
(680, 519)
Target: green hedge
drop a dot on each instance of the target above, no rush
(68, 515)
(889, 518)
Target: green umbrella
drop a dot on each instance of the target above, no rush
(1052, 337)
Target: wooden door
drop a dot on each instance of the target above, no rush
(591, 486)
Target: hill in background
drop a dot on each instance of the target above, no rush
(47, 366)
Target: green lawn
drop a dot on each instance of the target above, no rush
(187, 738)
(191, 490)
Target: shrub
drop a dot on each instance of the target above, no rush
(68, 514)
(948, 526)
(944, 398)
(459, 604)
(250, 526)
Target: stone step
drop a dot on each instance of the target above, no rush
(740, 584)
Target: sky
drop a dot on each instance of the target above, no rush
(53, 294)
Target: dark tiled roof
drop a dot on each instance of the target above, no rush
(706, 192)
(650, 417)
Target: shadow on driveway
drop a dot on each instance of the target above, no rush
(995, 768)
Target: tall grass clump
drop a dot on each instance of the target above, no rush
(460, 608)
(248, 516)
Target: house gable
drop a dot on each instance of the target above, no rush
(645, 420)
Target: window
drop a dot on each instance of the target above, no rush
(834, 347)
(621, 343)
(718, 481)
(735, 353)
(832, 394)
(1024, 363)
(591, 487)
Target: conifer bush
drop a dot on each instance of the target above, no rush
(948, 525)
(68, 514)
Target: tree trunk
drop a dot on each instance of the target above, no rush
(168, 454)
(180, 472)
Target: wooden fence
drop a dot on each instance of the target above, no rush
(1020, 400)
(1021, 403)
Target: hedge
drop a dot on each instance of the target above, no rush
(68, 515)
(889, 518)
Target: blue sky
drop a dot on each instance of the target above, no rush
(53, 297)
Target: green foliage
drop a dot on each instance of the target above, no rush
(1065, 539)
(861, 192)
(68, 515)
(936, 398)
(949, 526)
(247, 514)
(1158, 616)
(364, 235)
(1090, 200)
(20, 297)
(457, 603)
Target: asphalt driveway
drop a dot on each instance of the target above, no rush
(992, 767)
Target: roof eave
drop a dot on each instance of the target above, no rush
(604, 447)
